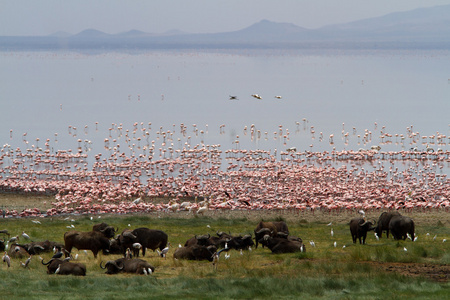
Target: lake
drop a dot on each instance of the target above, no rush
(306, 96)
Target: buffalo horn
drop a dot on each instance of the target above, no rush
(129, 234)
(42, 261)
(263, 230)
(101, 265)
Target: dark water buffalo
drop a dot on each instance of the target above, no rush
(148, 238)
(383, 223)
(196, 252)
(62, 267)
(400, 226)
(17, 251)
(270, 228)
(282, 245)
(104, 228)
(2, 245)
(90, 240)
(359, 228)
(240, 242)
(41, 247)
(202, 240)
(124, 265)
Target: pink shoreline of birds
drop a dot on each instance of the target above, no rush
(199, 178)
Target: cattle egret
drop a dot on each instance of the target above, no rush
(36, 222)
(301, 248)
(312, 243)
(164, 251)
(404, 249)
(145, 271)
(329, 224)
(250, 249)
(208, 226)
(377, 237)
(6, 259)
(149, 271)
(362, 213)
(91, 218)
(334, 244)
(14, 239)
(444, 240)
(27, 262)
(415, 239)
(26, 236)
(58, 269)
(137, 246)
(332, 232)
(241, 252)
(435, 237)
(227, 256)
(179, 246)
(343, 247)
(408, 236)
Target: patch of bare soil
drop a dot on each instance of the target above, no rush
(440, 273)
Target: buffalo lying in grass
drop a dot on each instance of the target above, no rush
(125, 265)
(63, 267)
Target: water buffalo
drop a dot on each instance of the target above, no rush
(90, 240)
(359, 228)
(282, 245)
(134, 265)
(40, 247)
(2, 245)
(104, 228)
(196, 252)
(148, 238)
(400, 226)
(383, 223)
(240, 242)
(17, 251)
(62, 267)
(270, 228)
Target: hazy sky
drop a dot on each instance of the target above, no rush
(42, 17)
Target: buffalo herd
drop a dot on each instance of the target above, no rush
(131, 243)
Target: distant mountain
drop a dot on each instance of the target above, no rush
(419, 28)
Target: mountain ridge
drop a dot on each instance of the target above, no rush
(422, 27)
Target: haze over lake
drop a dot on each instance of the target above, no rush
(43, 93)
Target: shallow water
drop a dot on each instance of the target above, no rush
(45, 95)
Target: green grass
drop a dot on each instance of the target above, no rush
(323, 272)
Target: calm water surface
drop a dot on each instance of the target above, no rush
(43, 95)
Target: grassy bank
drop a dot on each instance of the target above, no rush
(324, 271)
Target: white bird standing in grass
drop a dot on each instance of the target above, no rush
(164, 251)
(27, 262)
(6, 259)
(332, 232)
(312, 243)
(334, 244)
(404, 249)
(377, 237)
(26, 236)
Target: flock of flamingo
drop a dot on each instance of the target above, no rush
(141, 170)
